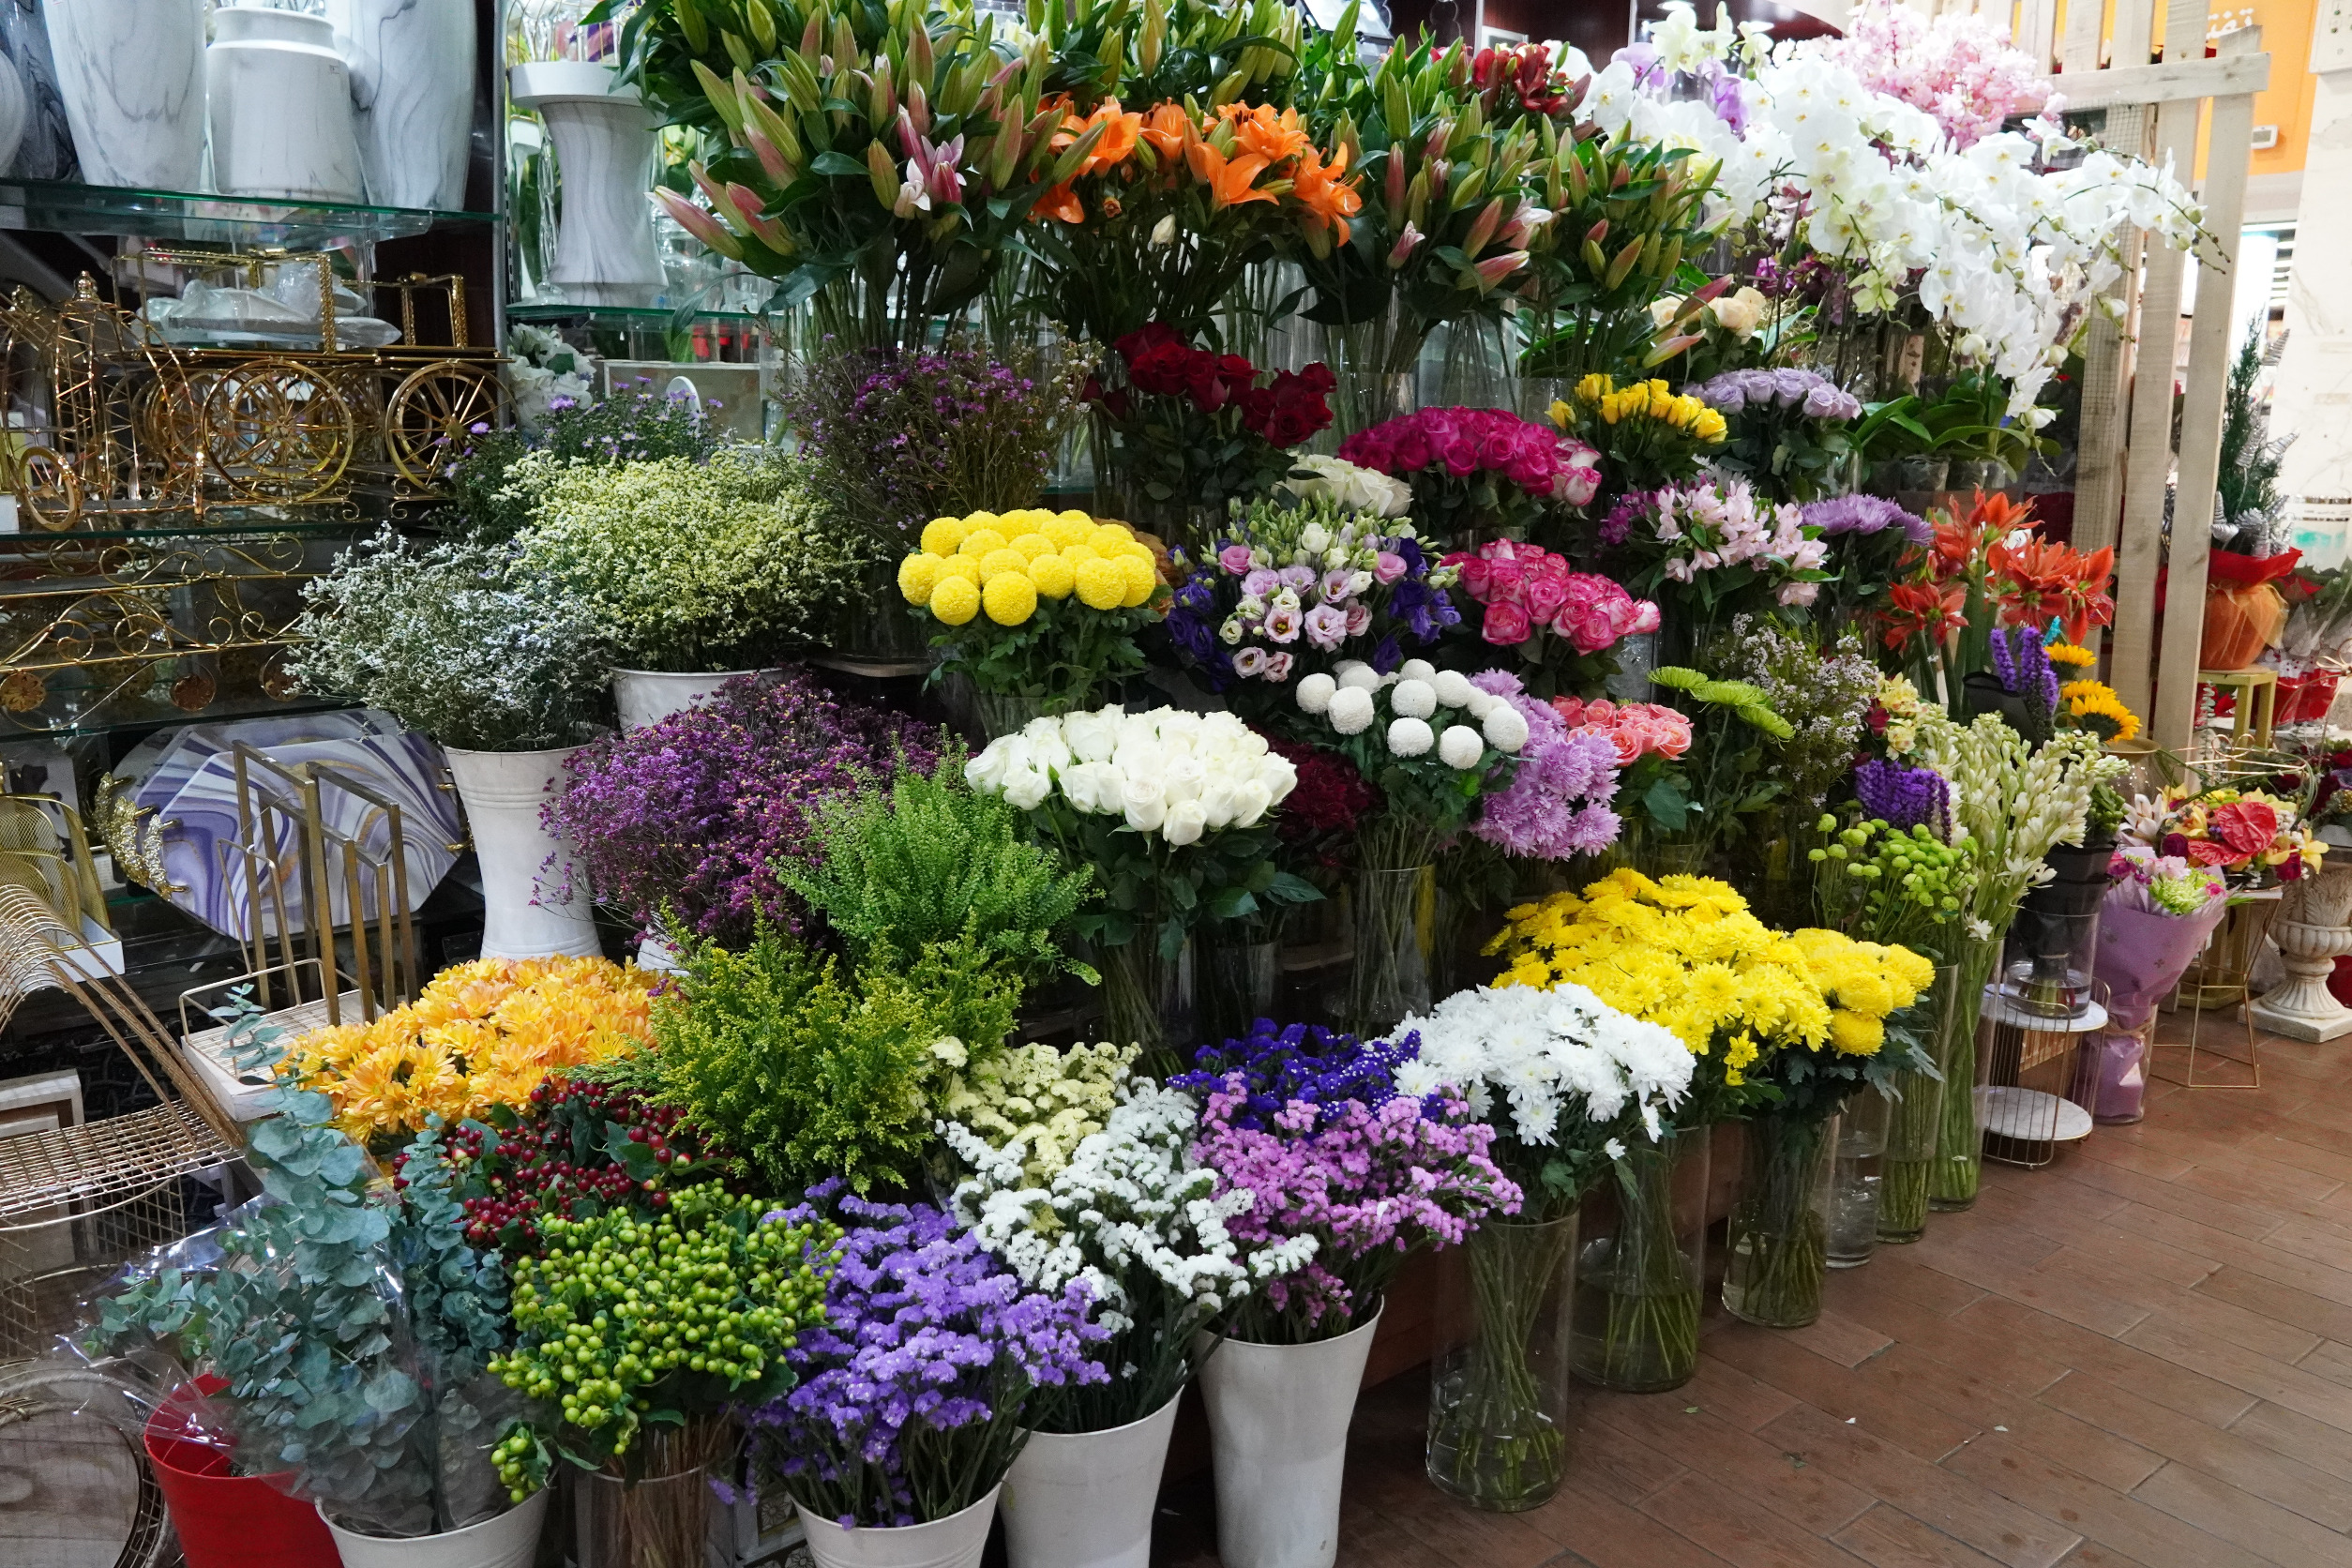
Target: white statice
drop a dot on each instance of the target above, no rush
(1131, 1216)
(1167, 772)
(2014, 256)
(1542, 1066)
(1460, 747)
(1356, 488)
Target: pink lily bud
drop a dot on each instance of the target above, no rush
(1598, 233)
(1495, 268)
(1482, 228)
(909, 137)
(1394, 186)
(698, 223)
(1524, 226)
(1435, 146)
(918, 106)
(771, 160)
(1407, 243)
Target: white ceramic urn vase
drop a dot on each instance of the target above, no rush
(645, 697)
(280, 108)
(605, 253)
(412, 81)
(503, 792)
(2313, 928)
(131, 73)
(1085, 1500)
(1278, 1435)
(508, 1540)
(954, 1542)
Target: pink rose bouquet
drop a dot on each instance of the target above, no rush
(1560, 620)
(1478, 470)
(1633, 730)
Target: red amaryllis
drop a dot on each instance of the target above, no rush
(1921, 609)
(2037, 581)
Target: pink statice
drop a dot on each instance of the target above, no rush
(1959, 67)
(1557, 805)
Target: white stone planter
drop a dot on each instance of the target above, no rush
(2313, 928)
(279, 101)
(503, 792)
(1085, 1500)
(1278, 1434)
(412, 77)
(508, 1540)
(604, 146)
(649, 696)
(131, 73)
(954, 1542)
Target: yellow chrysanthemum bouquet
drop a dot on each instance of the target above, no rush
(1040, 608)
(480, 1035)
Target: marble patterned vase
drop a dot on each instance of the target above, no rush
(137, 112)
(605, 253)
(411, 76)
(281, 110)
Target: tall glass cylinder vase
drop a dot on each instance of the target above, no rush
(1236, 983)
(1959, 1130)
(662, 1521)
(1915, 1122)
(1003, 713)
(1856, 1178)
(1640, 1258)
(1499, 1385)
(1394, 919)
(1776, 1251)
(1147, 1001)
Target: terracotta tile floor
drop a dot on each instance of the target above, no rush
(2141, 1355)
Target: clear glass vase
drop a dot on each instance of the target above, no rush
(875, 627)
(1640, 1259)
(1914, 1123)
(1147, 1001)
(665, 1520)
(1499, 1385)
(1394, 920)
(1952, 1179)
(1236, 983)
(1857, 1177)
(1004, 713)
(1777, 1245)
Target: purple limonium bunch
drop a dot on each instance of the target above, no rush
(692, 815)
(1866, 514)
(1558, 804)
(1371, 1180)
(2022, 665)
(1903, 797)
(911, 1391)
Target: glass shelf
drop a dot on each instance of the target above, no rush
(68, 207)
(149, 716)
(618, 315)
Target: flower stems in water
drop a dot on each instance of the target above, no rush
(1779, 1242)
(1496, 1420)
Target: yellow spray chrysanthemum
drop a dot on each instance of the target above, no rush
(917, 576)
(1010, 598)
(956, 599)
(480, 1035)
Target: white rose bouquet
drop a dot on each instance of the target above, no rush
(1135, 1218)
(1351, 486)
(1173, 809)
(1434, 741)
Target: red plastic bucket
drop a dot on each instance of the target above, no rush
(224, 1520)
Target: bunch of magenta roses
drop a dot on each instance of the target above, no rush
(1478, 473)
(1559, 620)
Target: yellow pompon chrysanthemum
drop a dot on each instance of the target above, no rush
(1009, 598)
(917, 576)
(980, 541)
(944, 536)
(1053, 575)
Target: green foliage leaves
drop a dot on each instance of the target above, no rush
(929, 862)
(805, 1076)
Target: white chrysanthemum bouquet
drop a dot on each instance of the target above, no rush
(1432, 740)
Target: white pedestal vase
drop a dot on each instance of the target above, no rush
(503, 792)
(508, 1540)
(131, 73)
(411, 79)
(1278, 1432)
(954, 1542)
(605, 253)
(1085, 1500)
(657, 956)
(280, 108)
(647, 696)
(2313, 928)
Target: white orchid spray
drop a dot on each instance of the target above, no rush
(1135, 1220)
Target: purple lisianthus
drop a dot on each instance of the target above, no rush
(911, 1388)
(1260, 582)
(1326, 626)
(1866, 514)
(1558, 802)
(693, 813)
(1905, 798)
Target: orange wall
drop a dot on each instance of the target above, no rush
(2286, 34)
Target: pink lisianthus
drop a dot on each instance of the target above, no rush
(1234, 559)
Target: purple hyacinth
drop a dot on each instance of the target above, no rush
(2022, 665)
(1905, 798)
(1866, 514)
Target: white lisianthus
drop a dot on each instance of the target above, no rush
(1410, 737)
(1460, 747)
(1351, 710)
(1413, 697)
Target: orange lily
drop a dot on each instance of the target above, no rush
(1166, 127)
(1329, 200)
(1117, 140)
(1061, 202)
(2038, 582)
(1260, 130)
(1921, 610)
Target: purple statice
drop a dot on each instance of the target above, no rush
(2023, 666)
(912, 1389)
(691, 815)
(1301, 1065)
(1863, 515)
(1558, 802)
(1371, 1184)
(1905, 798)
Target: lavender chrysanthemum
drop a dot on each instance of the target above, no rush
(1866, 514)
(1558, 803)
